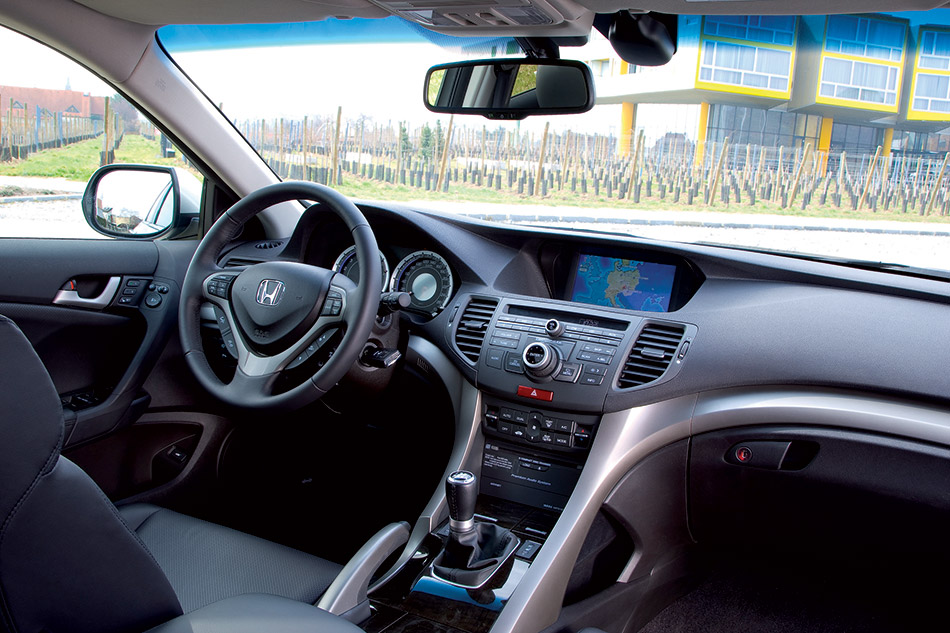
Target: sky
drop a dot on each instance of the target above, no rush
(381, 81)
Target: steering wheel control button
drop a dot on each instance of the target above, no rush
(535, 393)
(228, 339)
(153, 300)
(221, 319)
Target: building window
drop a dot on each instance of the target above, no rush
(757, 126)
(859, 81)
(865, 37)
(934, 50)
(768, 29)
(751, 66)
(932, 93)
(861, 139)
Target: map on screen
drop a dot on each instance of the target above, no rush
(623, 283)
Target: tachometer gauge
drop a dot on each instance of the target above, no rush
(427, 278)
(346, 263)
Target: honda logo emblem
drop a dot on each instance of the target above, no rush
(269, 292)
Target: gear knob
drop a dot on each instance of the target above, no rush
(460, 494)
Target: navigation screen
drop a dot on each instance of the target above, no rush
(623, 283)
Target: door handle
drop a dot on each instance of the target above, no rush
(72, 299)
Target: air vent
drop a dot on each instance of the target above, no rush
(240, 262)
(651, 355)
(473, 325)
(269, 244)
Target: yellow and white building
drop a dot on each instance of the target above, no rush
(840, 82)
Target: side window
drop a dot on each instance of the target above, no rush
(58, 124)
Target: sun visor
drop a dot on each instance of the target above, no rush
(553, 18)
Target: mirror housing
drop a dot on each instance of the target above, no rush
(510, 89)
(142, 201)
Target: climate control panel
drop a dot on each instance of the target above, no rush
(539, 427)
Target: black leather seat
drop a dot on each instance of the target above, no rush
(71, 562)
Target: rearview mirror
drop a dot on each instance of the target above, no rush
(510, 88)
(142, 201)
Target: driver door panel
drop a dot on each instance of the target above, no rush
(97, 353)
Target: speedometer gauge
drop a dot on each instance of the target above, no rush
(347, 264)
(427, 278)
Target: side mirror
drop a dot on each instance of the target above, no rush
(510, 89)
(142, 201)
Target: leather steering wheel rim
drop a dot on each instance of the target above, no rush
(252, 389)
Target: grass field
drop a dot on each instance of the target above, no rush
(460, 192)
(79, 160)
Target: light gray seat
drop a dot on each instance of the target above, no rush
(71, 562)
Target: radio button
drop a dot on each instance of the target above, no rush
(569, 372)
(513, 363)
(587, 379)
(495, 358)
(504, 342)
(595, 370)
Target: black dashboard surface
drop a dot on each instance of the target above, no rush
(756, 319)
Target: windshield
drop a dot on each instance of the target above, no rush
(821, 135)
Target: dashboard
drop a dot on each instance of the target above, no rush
(594, 371)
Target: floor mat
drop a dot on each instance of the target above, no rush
(773, 600)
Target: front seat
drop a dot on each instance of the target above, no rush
(71, 562)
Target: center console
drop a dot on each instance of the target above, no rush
(543, 372)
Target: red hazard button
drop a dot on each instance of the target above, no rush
(537, 394)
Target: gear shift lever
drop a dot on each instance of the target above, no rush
(474, 551)
(460, 494)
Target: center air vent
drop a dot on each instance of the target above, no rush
(473, 325)
(652, 354)
(269, 244)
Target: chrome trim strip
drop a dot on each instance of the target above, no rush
(72, 299)
(622, 440)
(716, 410)
(467, 405)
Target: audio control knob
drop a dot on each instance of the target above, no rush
(554, 328)
(541, 360)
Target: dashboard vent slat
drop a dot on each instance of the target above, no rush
(651, 355)
(473, 325)
(240, 262)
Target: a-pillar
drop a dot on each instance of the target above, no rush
(628, 126)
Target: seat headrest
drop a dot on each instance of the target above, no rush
(31, 417)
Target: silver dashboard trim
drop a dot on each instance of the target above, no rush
(467, 404)
(622, 440)
(730, 408)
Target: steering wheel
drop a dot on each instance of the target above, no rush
(274, 312)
